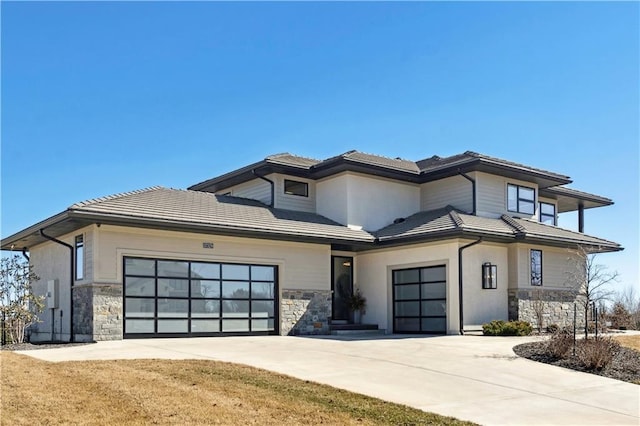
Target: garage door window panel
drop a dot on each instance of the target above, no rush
(420, 300)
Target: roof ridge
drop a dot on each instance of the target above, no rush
(284, 154)
(512, 223)
(115, 196)
(453, 213)
(378, 155)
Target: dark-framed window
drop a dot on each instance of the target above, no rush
(521, 199)
(182, 298)
(536, 267)
(489, 276)
(79, 251)
(294, 187)
(548, 213)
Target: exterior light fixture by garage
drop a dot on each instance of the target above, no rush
(489, 276)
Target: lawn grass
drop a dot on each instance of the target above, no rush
(630, 341)
(182, 392)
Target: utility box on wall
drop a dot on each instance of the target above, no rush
(52, 294)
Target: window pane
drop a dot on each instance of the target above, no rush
(527, 194)
(526, 207)
(139, 326)
(235, 272)
(434, 325)
(262, 290)
(407, 309)
(434, 291)
(546, 208)
(205, 308)
(434, 307)
(205, 326)
(231, 289)
(235, 325)
(434, 274)
(140, 307)
(551, 220)
(512, 198)
(139, 286)
(407, 291)
(261, 309)
(173, 288)
(167, 268)
(536, 267)
(201, 288)
(262, 273)
(173, 326)
(262, 325)
(407, 276)
(139, 267)
(407, 324)
(205, 270)
(173, 308)
(293, 187)
(79, 257)
(235, 308)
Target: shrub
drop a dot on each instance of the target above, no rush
(559, 344)
(620, 317)
(553, 328)
(596, 354)
(503, 328)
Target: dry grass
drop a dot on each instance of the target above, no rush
(181, 392)
(632, 341)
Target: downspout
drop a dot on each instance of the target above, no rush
(70, 247)
(24, 253)
(473, 189)
(253, 171)
(460, 304)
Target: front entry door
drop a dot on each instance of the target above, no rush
(341, 287)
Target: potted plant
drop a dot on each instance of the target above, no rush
(357, 303)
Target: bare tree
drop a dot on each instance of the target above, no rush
(630, 300)
(19, 306)
(589, 280)
(539, 306)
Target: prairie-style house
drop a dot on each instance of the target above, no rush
(438, 245)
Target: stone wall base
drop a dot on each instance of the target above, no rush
(557, 307)
(98, 311)
(305, 312)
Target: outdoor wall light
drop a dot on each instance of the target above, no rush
(489, 276)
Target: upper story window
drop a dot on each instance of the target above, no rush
(521, 199)
(294, 187)
(536, 267)
(548, 213)
(79, 257)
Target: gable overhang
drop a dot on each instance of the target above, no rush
(571, 200)
(542, 179)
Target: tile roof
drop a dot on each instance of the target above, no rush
(291, 160)
(218, 211)
(449, 221)
(397, 164)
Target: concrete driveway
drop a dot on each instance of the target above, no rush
(469, 377)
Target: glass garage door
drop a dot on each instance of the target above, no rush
(420, 300)
(171, 298)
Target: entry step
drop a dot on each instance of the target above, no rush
(341, 329)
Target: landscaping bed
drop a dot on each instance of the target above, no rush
(624, 364)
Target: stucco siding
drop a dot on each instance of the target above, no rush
(455, 191)
(331, 198)
(557, 266)
(492, 195)
(301, 265)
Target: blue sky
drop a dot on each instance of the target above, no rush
(100, 98)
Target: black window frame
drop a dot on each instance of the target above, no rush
(535, 268)
(554, 217)
(79, 254)
(305, 185)
(190, 298)
(519, 199)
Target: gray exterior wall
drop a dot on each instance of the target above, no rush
(558, 307)
(455, 191)
(98, 312)
(305, 312)
(256, 189)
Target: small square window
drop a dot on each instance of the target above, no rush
(294, 187)
(548, 213)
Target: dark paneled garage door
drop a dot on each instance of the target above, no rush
(420, 300)
(172, 298)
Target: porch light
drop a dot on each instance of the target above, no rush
(489, 276)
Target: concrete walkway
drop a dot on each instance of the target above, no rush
(469, 377)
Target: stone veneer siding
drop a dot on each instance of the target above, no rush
(97, 312)
(558, 307)
(305, 312)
